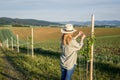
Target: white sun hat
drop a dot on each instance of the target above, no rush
(68, 28)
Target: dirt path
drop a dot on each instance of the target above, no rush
(7, 71)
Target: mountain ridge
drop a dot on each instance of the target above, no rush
(35, 22)
(17, 21)
(97, 22)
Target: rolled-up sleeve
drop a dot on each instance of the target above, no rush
(75, 45)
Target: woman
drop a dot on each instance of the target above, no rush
(69, 47)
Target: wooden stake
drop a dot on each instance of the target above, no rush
(91, 55)
(32, 47)
(18, 44)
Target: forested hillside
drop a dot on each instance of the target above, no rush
(16, 21)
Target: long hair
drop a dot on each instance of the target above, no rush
(66, 38)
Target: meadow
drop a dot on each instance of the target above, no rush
(46, 65)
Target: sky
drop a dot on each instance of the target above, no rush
(61, 10)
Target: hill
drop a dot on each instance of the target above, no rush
(99, 23)
(34, 22)
(17, 21)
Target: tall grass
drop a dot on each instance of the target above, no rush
(46, 64)
(39, 68)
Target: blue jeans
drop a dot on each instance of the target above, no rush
(67, 74)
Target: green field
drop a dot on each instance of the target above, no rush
(46, 65)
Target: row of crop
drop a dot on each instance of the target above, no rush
(102, 69)
(6, 34)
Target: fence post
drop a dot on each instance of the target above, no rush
(18, 44)
(32, 47)
(91, 53)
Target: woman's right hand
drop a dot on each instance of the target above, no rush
(80, 33)
(83, 36)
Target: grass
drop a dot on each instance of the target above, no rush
(42, 66)
(1, 67)
(7, 71)
(46, 66)
(46, 62)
